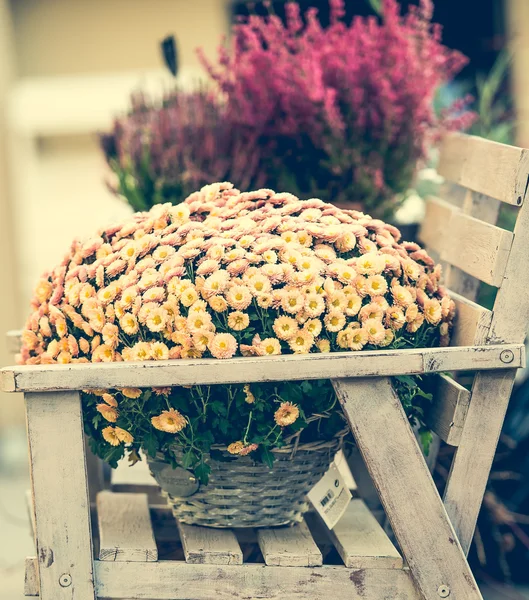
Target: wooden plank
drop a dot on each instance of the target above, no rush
(31, 514)
(60, 495)
(477, 248)
(472, 322)
(209, 546)
(31, 577)
(407, 491)
(289, 546)
(361, 541)
(253, 369)
(448, 410)
(487, 167)
(435, 225)
(125, 530)
(477, 445)
(170, 580)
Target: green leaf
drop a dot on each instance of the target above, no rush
(188, 459)
(266, 456)
(202, 472)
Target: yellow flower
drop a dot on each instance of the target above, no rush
(415, 324)
(285, 327)
(141, 351)
(334, 321)
(286, 414)
(131, 392)
(371, 311)
(110, 400)
(239, 297)
(107, 294)
(358, 338)
(375, 330)
(411, 269)
(259, 284)
(264, 300)
(292, 301)
(223, 345)
(170, 421)
(197, 321)
(313, 326)
(376, 285)
(235, 447)
(103, 353)
(218, 303)
(43, 290)
(395, 318)
(159, 351)
(123, 435)
(432, 311)
(370, 264)
(269, 347)
(110, 436)
(129, 324)
(301, 342)
(337, 301)
(238, 320)
(323, 345)
(202, 339)
(189, 296)
(250, 398)
(157, 319)
(109, 413)
(401, 296)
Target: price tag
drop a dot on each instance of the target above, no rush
(330, 496)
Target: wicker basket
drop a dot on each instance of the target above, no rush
(243, 493)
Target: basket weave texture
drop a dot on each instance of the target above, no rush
(243, 493)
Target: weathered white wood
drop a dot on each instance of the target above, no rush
(436, 221)
(289, 546)
(31, 577)
(253, 369)
(125, 530)
(472, 322)
(473, 459)
(31, 514)
(447, 413)
(60, 495)
(498, 170)
(209, 546)
(94, 470)
(361, 541)
(407, 491)
(14, 341)
(477, 248)
(169, 580)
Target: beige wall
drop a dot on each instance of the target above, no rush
(59, 37)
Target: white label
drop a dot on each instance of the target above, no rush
(330, 496)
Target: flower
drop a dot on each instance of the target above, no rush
(109, 435)
(432, 311)
(249, 397)
(375, 330)
(314, 305)
(376, 285)
(238, 320)
(110, 400)
(292, 301)
(285, 327)
(123, 435)
(223, 345)
(269, 347)
(159, 351)
(239, 297)
(301, 342)
(156, 319)
(129, 324)
(286, 414)
(170, 421)
(131, 392)
(334, 321)
(108, 413)
(235, 447)
(359, 338)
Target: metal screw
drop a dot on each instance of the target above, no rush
(507, 356)
(65, 580)
(443, 591)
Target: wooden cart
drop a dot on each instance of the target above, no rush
(134, 550)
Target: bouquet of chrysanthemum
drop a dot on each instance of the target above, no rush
(227, 274)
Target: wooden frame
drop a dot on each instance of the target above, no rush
(433, 534)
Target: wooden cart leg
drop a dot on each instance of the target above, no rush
(60, 496)
(406, 488)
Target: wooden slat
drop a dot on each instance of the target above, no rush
(60, 494)
(125, 530)
(289, 546)
(209, 546)
(361, 541)
(448, 410)
(435, 225)
(31, 514)
(291, 367)
(487, 167)
(472, 322)
(31, 577)
(398, 469)
(169, 580)
(477, 248)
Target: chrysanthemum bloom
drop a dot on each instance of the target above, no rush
(286, 414)
(235, 447)
(375, 330)
(269, 347)
(159, 351)
(131, 392)
(249, 397)
(334, 321)
(109, 435)
(238, 320)
(359, 338)
(432, 311)
(223, 345)
(248, 449)
(301, 342)
(110, 400)
(170, 421)
(109, 413)
(123, 435)
(285, 327)
(239, 297)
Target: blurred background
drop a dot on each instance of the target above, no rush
(67, 67)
